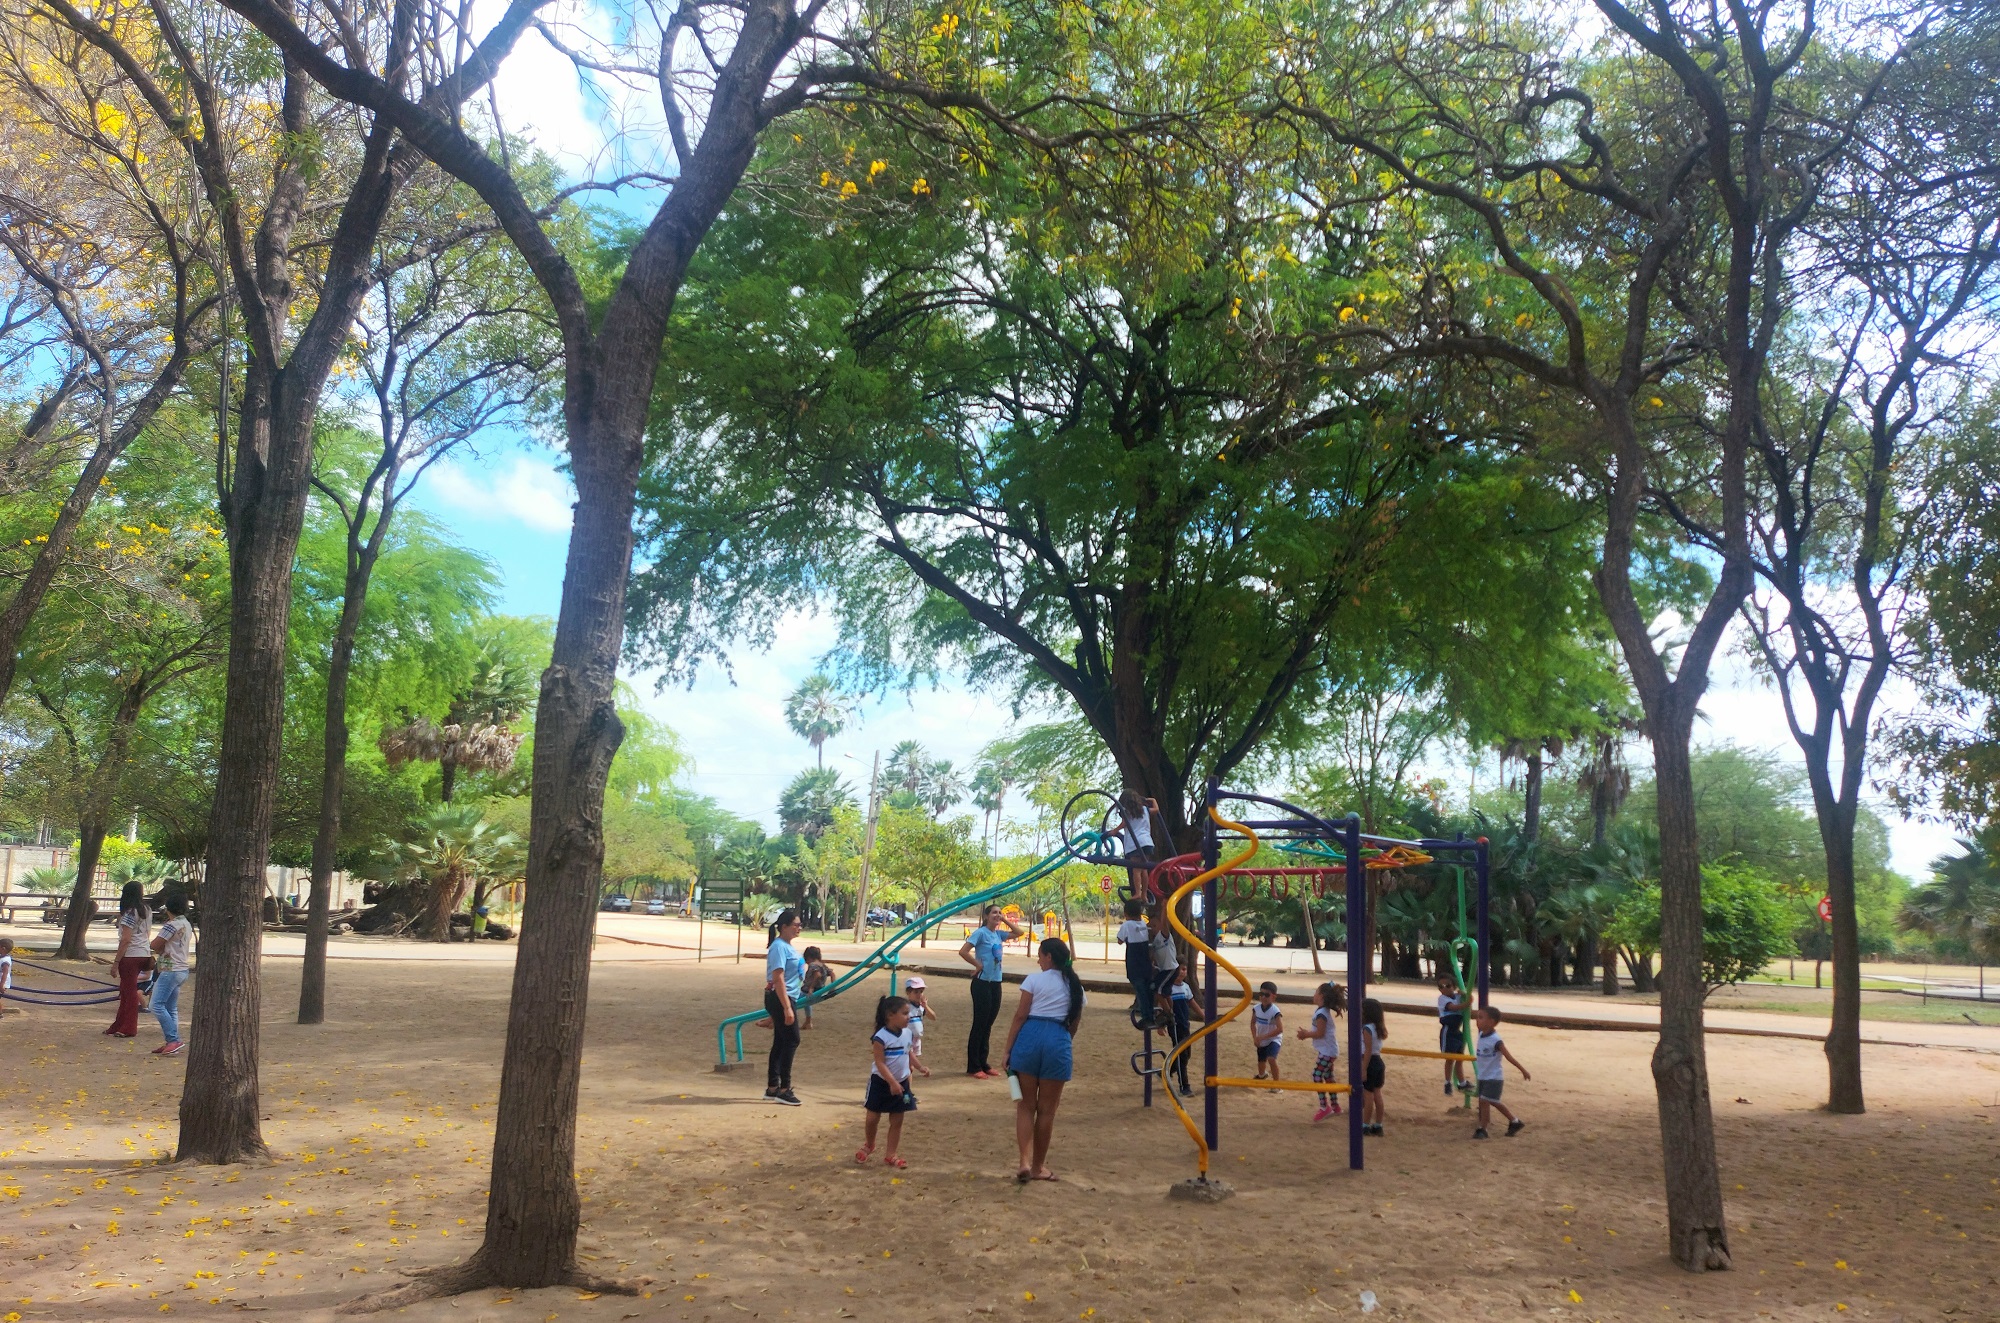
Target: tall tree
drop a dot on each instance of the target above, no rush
(299, 217)
(1631, 223)
(1907, 243)
(450, 346)
(715, 71)
(1079, 433)
(817, 711)
(98, 213)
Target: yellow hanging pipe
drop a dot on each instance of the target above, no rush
(1187, 1044)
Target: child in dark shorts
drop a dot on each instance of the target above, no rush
(889, 1091)
(1487, 1056)
(1267, 1030)
(1373, 1031)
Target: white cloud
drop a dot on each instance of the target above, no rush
(529, 489)
(744, 753)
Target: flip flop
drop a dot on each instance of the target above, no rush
(1050, 1176)
(1023, 1176)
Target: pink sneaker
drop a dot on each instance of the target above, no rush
(1322, 1113)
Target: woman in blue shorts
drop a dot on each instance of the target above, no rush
(1038, 1053)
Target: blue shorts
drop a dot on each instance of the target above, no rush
(1268, 1051)
(1041, 1049)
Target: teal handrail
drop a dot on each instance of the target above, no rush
(889, 954)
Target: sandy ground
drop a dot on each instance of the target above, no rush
(379, 1122)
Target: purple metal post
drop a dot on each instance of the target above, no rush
(1358, 956)
(1211, 854)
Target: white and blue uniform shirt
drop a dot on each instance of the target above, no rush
(1486, 1062)
(1266, 1019)
(895, 1053)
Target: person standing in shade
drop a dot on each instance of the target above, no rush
(172, 958)
(784, 984)
(1039, 1053)
(135, 956)
(982, 951)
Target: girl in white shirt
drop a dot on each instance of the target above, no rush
(1373, 1032)
(1329, 1000)
(1038, 1053)
(135, 956)
(889, 1091)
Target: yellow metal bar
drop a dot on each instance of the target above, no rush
(1186, 1045)
(1415, 1052)
(1300, 1086)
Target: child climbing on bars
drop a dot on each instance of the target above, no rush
(1267, 1030)
(1177, 997)
(1136, 936)
(1451, 1029)
(1373, 1032)
(1329, 1000)
(1487, 1056)
(817, 976)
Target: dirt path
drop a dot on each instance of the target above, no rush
(738, 1209)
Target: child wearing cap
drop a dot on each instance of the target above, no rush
(920, 1011)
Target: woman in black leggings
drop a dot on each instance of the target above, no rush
(983, 951)
(784, 975)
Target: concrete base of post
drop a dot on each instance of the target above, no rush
(1201, 1190)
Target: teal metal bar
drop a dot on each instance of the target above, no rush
(889, 954)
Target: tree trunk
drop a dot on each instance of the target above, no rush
(76, 927)
(1607, 953)
(1531, 807)
(220, 1101)
(1698, 1238)
(96, 817)
(533, 1209)
(444, 900)
(333, 784)
(447, 777)
(1843, 1036)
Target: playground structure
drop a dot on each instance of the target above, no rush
(889, 954)
(1295, 833)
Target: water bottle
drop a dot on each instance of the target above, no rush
(1013, 1086)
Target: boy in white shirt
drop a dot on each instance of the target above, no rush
(1486, 1058)
(6, 967)
(1267, 1029)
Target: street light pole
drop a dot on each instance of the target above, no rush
(868, 847)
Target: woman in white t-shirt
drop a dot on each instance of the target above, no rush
(135, 956)
(1038, 1053)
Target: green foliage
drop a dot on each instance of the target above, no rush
(48, 881)
(808, 804)
(926, 861)
(1959, 907)
(1745, 925)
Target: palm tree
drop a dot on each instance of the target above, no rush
(907, 762)
(816, 712)
(1606, 779)
(451, 849)
(807, 804)
(1961, 902)
(989, 791)
(941, 787)
(478, 732)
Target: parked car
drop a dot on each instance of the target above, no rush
(885, 918)
(656, 906)
(617, 904)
